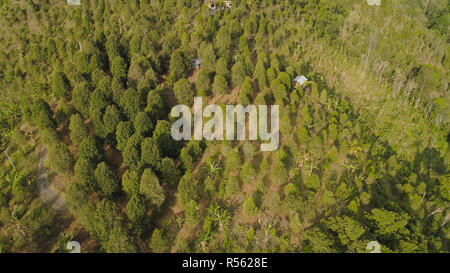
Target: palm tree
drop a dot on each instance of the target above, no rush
(213, 168)
(10, 178)
(204, 239)
(15, 222)
(219, 215)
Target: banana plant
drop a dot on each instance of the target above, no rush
(7, 179)
(213, 168)
(15, 223)
(219, 215)
(204, 239)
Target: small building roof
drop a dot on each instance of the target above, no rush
(74, 2)
(196, 61)
(300, 79)
(374, 2)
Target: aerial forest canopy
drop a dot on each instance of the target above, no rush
(87, 152)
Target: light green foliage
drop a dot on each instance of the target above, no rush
(234, 160)
(232, 186)
(131, 181)
(159, 243)
(183, 92)
(187, 189)
(192, 213)
(150, 188)
(389, 222)
(250, 208)
(179, 65)
(364, 152)
(237, 73)
(220, 85)
(208, 58)
(347, 229)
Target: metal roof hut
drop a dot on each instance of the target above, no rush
(74, 2)
(300, 80)
(212, 6)
(196, 63)
(374, 2)
(228, 4)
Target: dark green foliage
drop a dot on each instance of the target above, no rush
(84, 171)
(150, 153)
(61, 159)
(123, 132)
(50, 136)
(170, 173)
(78, 130)
(234, 160)
(247, 89)
(166, 144)
(131, 103)
(80, 99)
(119, 68)
(131, 153)
(106, 179)
(60, 85)
(136, 209)
(157, 103)
(260, 74)
(143, 124)
(89, 149)
(42, 115)
(111, 118)
(192, 213)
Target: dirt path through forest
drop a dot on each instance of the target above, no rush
(49, 196)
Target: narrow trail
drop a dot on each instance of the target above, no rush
(49, 196)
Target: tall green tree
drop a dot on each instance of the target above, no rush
(179, 65)
(151, 189)
(61, 159)
(183, 92)
(106, 179)
(143, 125)
(60, 85)
(78, 130)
